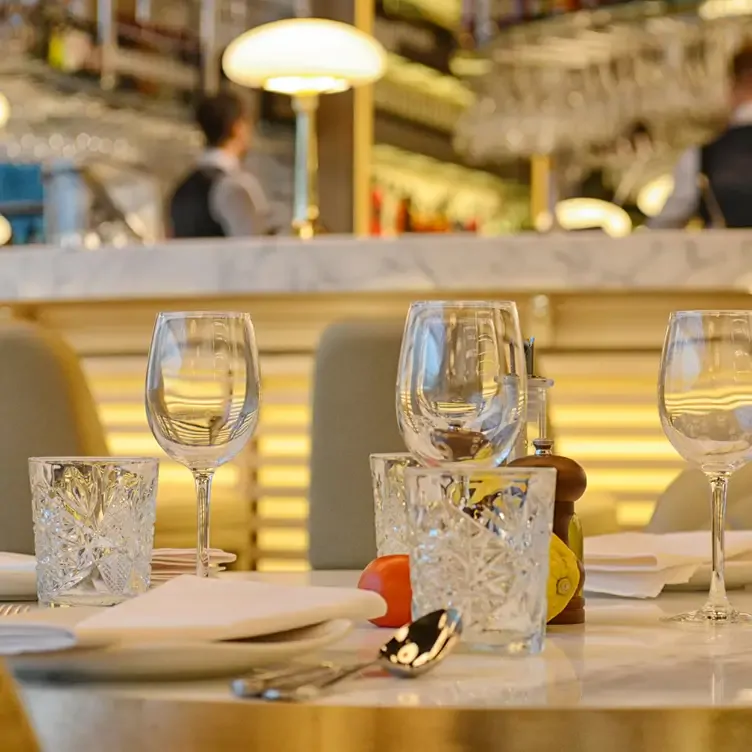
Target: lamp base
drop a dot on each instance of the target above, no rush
(307, 229)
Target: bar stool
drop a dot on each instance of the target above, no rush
(354, 415)
(46, 409)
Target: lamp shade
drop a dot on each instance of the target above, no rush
(591, 213)
(652, 197)
(304, 56)
(6, 231)
(4, 110)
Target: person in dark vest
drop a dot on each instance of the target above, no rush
(218, 198)
(715, 181)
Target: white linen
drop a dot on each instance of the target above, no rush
(640, 565)
(192, 609)
(18, 577)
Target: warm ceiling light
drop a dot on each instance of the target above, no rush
(4, 110)
(304, 56)
(653, 196)
(711, 10)
(6, 231)
(592, 213)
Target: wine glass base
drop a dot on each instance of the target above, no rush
(711, 615)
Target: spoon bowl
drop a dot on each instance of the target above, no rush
(419, 646)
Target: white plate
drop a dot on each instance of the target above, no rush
(176, 661)
(738, 575)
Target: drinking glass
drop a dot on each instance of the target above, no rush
(390, 514)
(705, 404)
(480, 544)
(93, 528)
(461, 385)
(202, 397)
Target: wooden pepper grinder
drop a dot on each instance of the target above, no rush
(571, 483)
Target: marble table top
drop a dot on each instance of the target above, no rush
(712, 260)
(624, 657)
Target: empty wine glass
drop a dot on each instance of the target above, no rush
(202, 397)
(461, 386)
(705, 403)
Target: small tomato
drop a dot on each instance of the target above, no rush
(389, 576)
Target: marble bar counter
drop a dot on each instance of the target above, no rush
(596, 306)
(666, 261)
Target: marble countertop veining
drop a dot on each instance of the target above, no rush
(717, 260)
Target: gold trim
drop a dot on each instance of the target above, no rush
(362, 132)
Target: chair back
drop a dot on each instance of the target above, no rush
(46, 409)
(354, 415)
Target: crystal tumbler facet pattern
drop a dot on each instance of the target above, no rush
(93, 528)
(388, 476)
(480, 544)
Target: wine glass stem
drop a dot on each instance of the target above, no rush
(717, 600)
(203, 497)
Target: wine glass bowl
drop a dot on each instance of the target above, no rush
(705, 406)
(202, 396)
(461, 386)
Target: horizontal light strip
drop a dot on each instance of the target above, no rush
(285, 476)
(634, 513)
(282, 539)
(624, 481)
(608, 417)
(644, 447)
(283, 565)
(282, 508)
(284, 446)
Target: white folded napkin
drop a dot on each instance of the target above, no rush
(208, 610)
(640, 565)
(18, 580)
(187, 556)
(18, 577)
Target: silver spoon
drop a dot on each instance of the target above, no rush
(414, 649)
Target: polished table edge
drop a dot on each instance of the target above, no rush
(68, 722)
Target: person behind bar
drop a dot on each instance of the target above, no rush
(217, 198)
(715, 181)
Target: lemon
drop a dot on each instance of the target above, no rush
(563, 577)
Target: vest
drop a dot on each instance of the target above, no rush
(190, 212)
(727, 164)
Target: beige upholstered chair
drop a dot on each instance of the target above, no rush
(685, 504)
(16, 734)
(353, 416)
(46, 409)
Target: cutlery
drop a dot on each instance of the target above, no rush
(414, 649)
(12, 609)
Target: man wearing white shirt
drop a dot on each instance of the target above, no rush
(218, 198)
(715, 181)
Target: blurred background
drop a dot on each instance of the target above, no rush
(489, 110)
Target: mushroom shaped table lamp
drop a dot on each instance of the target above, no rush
(304, 58)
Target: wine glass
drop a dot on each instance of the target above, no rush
(202, 397)
(705, 403)
(461, 385)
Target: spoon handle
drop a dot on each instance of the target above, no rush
(309, 688)
(255, 684)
